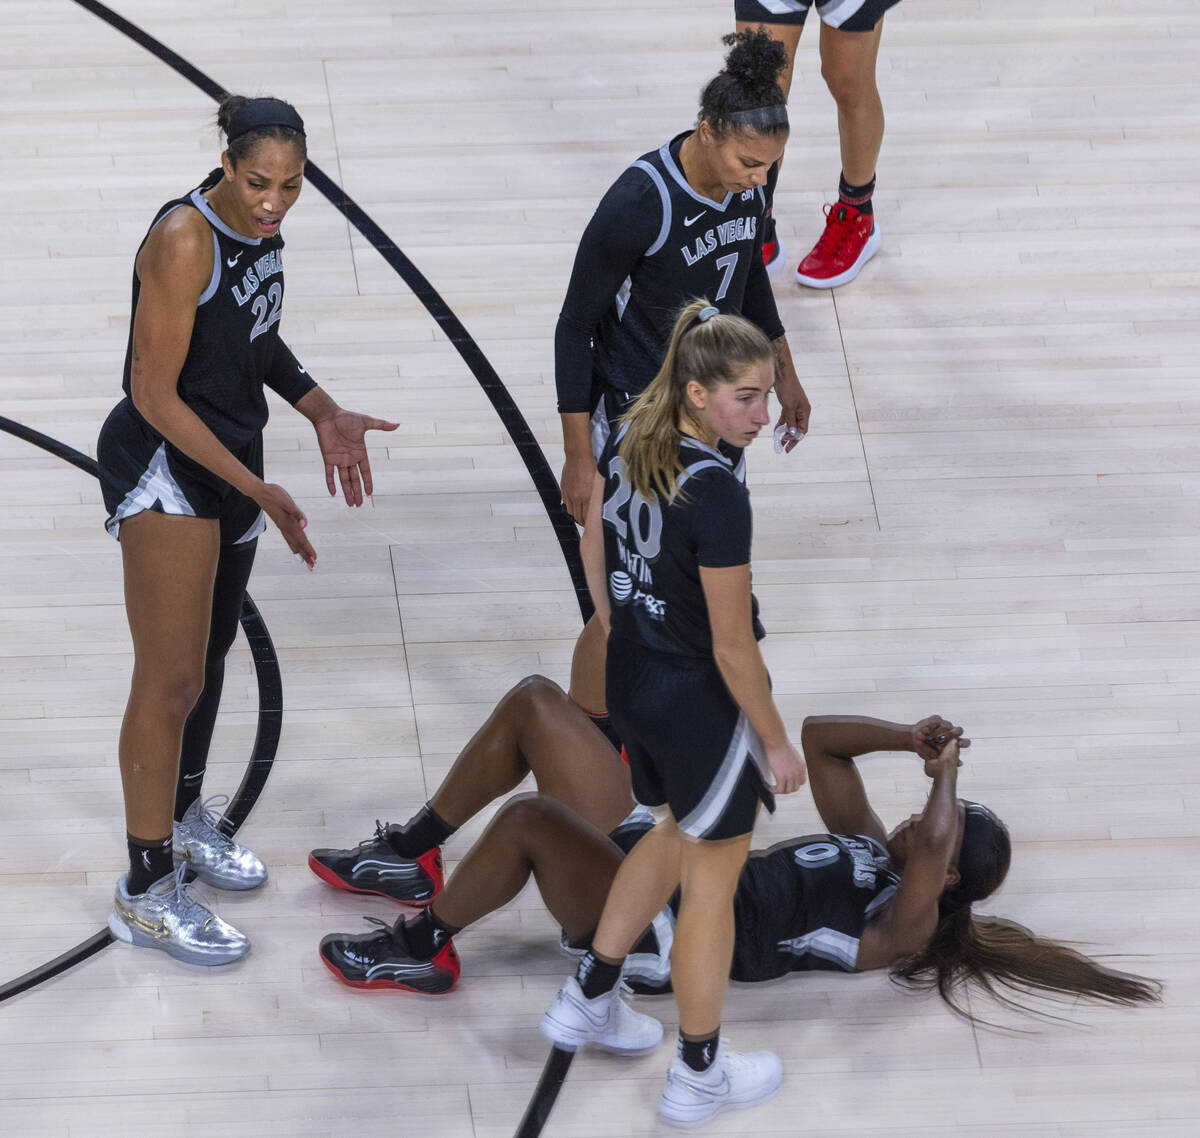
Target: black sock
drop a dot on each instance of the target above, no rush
(699, 1053)
(187, 792)
(769, 226)
(148, 862)
(424, 830)
(425, 936)
(597, 975)
(606, 727)
(857, 196)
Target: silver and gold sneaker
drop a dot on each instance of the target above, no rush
(213, 856)
(167, 917)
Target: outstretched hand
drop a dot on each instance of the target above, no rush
(344, 449)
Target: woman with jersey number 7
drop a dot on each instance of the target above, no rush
(181, 472)
(684, 220)
(667, 553)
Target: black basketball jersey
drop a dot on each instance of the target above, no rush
(653, 551)
(236, 329)
(802, 905)
(702, 248)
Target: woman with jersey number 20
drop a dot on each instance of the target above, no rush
(667, 553)
(181, 472)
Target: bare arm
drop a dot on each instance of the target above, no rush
(905, 925)
(832, 742)
(727, 595)
(794, 407)
(592, 551)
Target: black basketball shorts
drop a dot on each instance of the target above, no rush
(139, 470)
(846, 15)
(689, 745)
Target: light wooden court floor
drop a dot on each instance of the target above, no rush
(994, 519)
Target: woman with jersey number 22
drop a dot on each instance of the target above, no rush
(667, 553)
(181, 473)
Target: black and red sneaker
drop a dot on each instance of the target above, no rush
(381, 960)
(374, 867)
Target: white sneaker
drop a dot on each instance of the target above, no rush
(734, 1079)
(607, 1022)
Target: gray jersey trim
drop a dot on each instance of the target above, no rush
(664, 152)
(211, 291)
(827, 944)
(197, 199)
(657, 179)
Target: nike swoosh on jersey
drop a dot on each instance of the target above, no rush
(686, 221)
(235, 260)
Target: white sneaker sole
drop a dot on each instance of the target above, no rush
(869, 250)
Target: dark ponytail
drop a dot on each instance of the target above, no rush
(246, 122)
(750, 81)
(1004, 958)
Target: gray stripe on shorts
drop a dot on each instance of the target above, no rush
(157, 484)
(256, 530)
(836, 12)
(707, 815)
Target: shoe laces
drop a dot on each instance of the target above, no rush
(838, 230)
(179, 897)
(211, 817)
(386, 933)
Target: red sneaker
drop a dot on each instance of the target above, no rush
(773, 255)
(850, 240)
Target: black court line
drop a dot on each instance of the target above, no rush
(266, 740)
(514, 422)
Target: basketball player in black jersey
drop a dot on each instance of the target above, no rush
(851, 899)
(683, 221)
(667, 553)
(181, 472)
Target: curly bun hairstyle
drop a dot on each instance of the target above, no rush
(247, 143)
(750, 80)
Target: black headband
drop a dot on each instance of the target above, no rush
(976, 854)
(760, 117)
(257, 113)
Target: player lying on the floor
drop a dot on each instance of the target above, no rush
(853, 899)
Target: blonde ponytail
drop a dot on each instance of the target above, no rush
(706, 346)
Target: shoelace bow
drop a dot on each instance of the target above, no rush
(212, 817)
